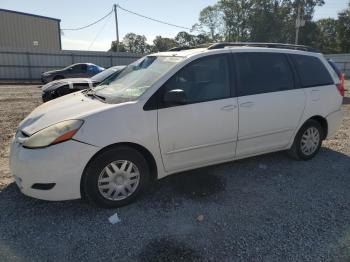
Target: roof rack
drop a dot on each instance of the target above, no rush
(211, 46)
(180, 48)
(268, 45)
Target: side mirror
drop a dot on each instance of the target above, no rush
(175, 97)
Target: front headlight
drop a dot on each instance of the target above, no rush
(49, 85)
(54, 134)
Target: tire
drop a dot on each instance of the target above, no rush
(106, 182)
(300, 150)
(58, 78)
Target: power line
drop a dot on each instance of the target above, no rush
(80, 28)
(100, 31)
(155, 20)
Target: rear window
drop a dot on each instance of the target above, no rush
(263, 73)
(335, 67)
(311, 71)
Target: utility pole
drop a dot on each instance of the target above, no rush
(298, 23)
(116, 25)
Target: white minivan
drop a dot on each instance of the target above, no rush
(174, 111)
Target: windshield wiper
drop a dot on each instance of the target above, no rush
(91, 93)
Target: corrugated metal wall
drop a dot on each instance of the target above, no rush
(19, 30)
(22, 65)
(343, 61)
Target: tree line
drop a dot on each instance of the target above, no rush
(254, 21)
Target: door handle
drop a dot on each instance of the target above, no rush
(228, 108)
(247, 104)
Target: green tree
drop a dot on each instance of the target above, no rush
(326, 39)
(307, 6)
(343, 29)
(163, 44)
(185, 39)
(202, 39)
(236, 14)
(258, 20)
(211, 22)
(136, 43)
(114, 47)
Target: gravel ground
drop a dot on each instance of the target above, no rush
(266, 208)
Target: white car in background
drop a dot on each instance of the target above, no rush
(175, 111)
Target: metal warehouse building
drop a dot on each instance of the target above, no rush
(28, 31)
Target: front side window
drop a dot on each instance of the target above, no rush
(136, 78)
(205, 79)
(260, 73)
(311, 71)
(80, 68)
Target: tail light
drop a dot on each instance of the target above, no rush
(341, 85)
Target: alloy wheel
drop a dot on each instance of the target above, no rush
(118, 180)
(310, 141)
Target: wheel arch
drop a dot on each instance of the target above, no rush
(144, 151)
(323, 122)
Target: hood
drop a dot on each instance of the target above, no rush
(67, 81)
(52, 72)
(73, 106)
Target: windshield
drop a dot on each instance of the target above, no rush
(136, 78)
(104, 74)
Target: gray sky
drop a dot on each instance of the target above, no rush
(77, 13)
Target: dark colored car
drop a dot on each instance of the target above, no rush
(72, 71)
(63, 87)
(341, 75)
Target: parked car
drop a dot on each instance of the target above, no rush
(340, 74)
(175, 111)
(63, 87)
(72, 71)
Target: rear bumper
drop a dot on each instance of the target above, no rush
(51, 173)
(334, 121)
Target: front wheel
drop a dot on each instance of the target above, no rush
(308, 141)
(115, 177)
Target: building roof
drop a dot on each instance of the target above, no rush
(21, 13)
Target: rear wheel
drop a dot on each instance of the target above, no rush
(115, 177)
(308, 141)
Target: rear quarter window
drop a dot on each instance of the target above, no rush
(311, 71)
(335, 67)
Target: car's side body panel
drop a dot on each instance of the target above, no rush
(269, 122)
(108, 127)
(198, 133)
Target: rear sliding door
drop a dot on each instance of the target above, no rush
(270, 106)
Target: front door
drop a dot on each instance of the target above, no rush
(204, 129)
